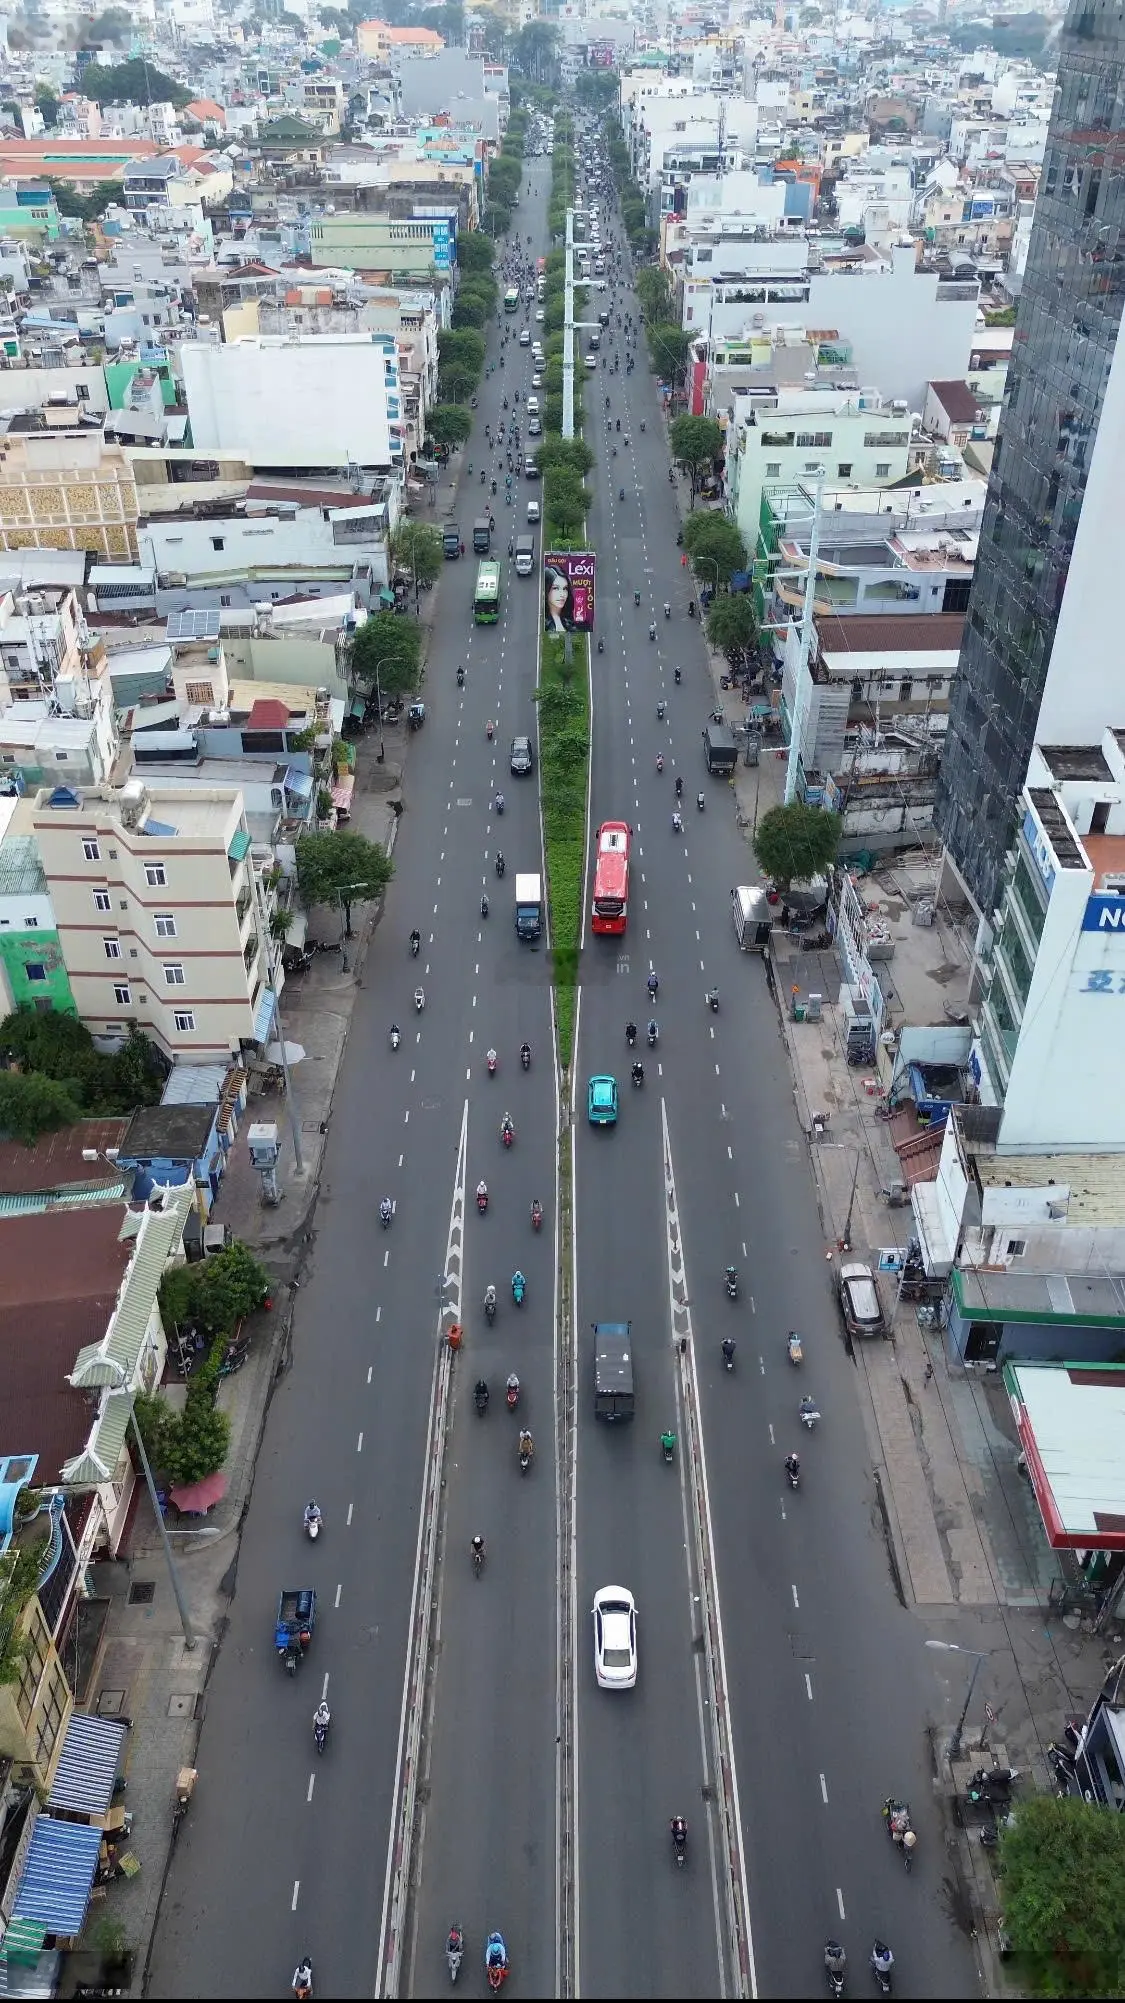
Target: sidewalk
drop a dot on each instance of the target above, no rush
(146, 1673)
(965, 1542)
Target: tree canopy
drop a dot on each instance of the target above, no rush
(696, 442)
(388, 649)
(56, 1047)
(341, 869)
(448, 424)
(1063, 1868)
(669, 348)
(796, 843)
(731, 625)
(715, 547)
(474, 253)
(134, 82)
(416, 547)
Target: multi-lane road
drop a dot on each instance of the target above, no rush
(826, 1680)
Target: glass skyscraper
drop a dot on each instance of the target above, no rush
(1065, 336)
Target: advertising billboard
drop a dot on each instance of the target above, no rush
(568, 590)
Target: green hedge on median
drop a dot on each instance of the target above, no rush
(564, 757)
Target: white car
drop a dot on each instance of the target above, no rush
(525, 337)
(539, 314)
(537, 381)
(615, 1638)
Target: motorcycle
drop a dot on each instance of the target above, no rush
(496, 1961)
(792, 1473)
(524, 1457)
(653, 1034)
(835, 1962)
(302, 1984)
(490, 1305)
(320, 1734)
(537, 1216)
(499, 865)
(480, 1396)
(396, 1036)
(518, 1287)
(793, 1347)
(638, 1075)
(507, 1133)
(668, 1443)
(677, 676)
(491, 1060)
(386, 1212)
(713, 1001)
(525, 1056)
(700, 801)
(454, 1952)
(415, 945)
(881, 1970)
(631, 1035)
(808, 1412)
(679, 1840)
(419, 999)
(312, 1527)
(727, 1346)
(482, 1201)
(731, 1277)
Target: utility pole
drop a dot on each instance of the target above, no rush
(568, 332)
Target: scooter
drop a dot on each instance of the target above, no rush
(320, 1734)
(454, 1952)
(482, 1201)
(731, 1278)
(793, 1476)
(513, 1393)
(396, 1038)
(808, 1412)
(490, 1306)
(537, 1216)
(793, 1347)
(507, 1134)
(525, 1057)
(419, 999)
(415, 945)
(700, 801)
(713, 1001)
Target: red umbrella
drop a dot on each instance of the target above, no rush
(200, 1496)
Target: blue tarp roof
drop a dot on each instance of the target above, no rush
(58, 1874)
(87, 1766)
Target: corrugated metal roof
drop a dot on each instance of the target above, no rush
(88, 1765)
(62, 1199)
(55, 1889)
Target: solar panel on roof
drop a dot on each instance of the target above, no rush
(193, 626)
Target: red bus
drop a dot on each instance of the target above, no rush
(611, 878)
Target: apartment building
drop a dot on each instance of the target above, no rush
(796, 437)
(68, 492)
(155, 905)
(39, 642)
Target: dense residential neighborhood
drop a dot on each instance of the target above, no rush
(704, 425)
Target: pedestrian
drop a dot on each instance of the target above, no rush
(928, 1372)
(462, 549)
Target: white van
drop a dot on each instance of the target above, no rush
(532, 406)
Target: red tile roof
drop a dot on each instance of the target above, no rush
(957, 400)
(896, 633)
(62, 1255)
(60, 1272)
(55, 1161)
(268, 714)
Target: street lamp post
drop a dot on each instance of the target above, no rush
(121, 1390)
(955, 1648)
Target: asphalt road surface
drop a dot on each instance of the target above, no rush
(828, 1683)
(289, 1853)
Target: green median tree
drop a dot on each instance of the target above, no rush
(796, 843)
(568, 503)
(341, 869)
(571, 455)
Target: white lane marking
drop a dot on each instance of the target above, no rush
(359, 1444)
(312, 1784)
(737, 1204)
(808, 1686)
(413, 1076)
(296, 1889)
(379, 1314)
(401, 1159)
(324, 1685)
(387, 1258)
(840, 1903)
(730, 1153)
(753, 1303)
(339, 1590)
(824, 1790)
(406, 1117)
(796, 1601)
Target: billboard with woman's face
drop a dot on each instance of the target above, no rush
(568, 591)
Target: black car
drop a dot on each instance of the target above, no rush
(521, 760)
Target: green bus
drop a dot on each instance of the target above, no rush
(486, 598)
(512, 299)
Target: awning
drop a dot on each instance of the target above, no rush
(239, 846)
(197, 1497)
(57, 1875)
(88, 1765)
(263, 1021)
(342, 790)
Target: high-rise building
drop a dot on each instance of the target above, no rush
(1066, 339)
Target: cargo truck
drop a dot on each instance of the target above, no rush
(751, 913)
(529, 907)
(719, 748)
(525, 555)
(613, 1371)
(451, 540)
(482, 536)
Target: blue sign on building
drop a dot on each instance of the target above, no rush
(1104, 914)
(442, 258)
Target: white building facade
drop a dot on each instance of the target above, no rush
(329, 401)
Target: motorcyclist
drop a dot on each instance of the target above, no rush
(677, 823)
(713, 1001)
(835, 1960)
(525, 1054)
(499, 862)
(506, 1127)
(512, 1387)
(792, 1466)
(667, 610)
(679, 787)
(527, 1444)
(882, 1960)
(536, 1212)
(499, 803)
(519, 1284)
(302, 1976)
(653, 983)
(415, 940)
(482, 1191)
(386, 1210)
(489, 1297)
(630, 1033)
(652, 627)
(476, 1546)
(312, 1514)
(653, 1030)
(679, 1832)
(490, 1059)
(728, 1349)
(638, 1073)
(395, 1031)
(460, 678)
(480, 1392)
(322, 1716)
(731, 1277)
(484, 906)
(668, 1442)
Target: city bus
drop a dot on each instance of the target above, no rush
(512, 299)
(486, 599)
(611, 878)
